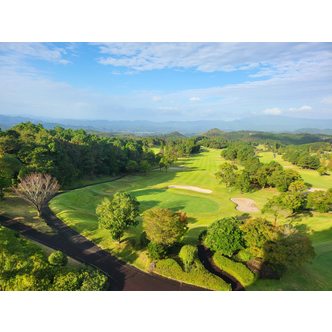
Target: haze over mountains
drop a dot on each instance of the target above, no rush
(254, 123)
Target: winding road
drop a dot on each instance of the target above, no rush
(122, 276)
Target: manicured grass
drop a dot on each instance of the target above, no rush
(77, 209)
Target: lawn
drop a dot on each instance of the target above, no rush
(77, 209)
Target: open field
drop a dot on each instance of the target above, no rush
(77, 209)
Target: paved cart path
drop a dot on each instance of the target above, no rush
(122, 276)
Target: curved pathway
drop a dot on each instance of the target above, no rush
(122, 276)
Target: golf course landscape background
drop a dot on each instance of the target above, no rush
(77, 209)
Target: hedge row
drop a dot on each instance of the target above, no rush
(197, 275)
(235, 269)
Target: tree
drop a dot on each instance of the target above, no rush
(256, 233)
(286, 203)
(225, 236)
(9, 168)
(322, 170)
(289, 251)
(243, 182)
(58, 258)
(156, 251)
(320, 200)
(226, 174)
(163, 226)
(37, 189)
(188, 254)
(297, 186)
(118, 213)
(132, 166)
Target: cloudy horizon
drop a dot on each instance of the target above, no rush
(166, 81)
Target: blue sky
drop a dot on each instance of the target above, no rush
(166, 81)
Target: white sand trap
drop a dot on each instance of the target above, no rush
(192, 188)
(245, 204)
(311, 190)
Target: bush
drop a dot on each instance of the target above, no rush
(243, 256)
(92, 280)
(156, 251)
(187, 255)
(197, 276)
(235, 269)
(58, 258)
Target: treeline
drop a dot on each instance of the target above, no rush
(255, 175)
(24, 266)
(69, 154)
(306, 155)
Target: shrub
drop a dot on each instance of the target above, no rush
(58, 258)
(243, 256)
(187, 255)
(156, 251)
(92, 280)
(197, 276)
(235, 269)
(69, 281)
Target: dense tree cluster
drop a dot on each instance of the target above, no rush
(301, 157)
(257, 176)
(68, 154)
(24, 266)
(281, 247)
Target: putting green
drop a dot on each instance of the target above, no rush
(77, 209)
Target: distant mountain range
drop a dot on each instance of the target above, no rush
(254, 123)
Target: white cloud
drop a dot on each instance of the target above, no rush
(156, 98)
(194, 99)
(272, 111)
(327, 100)
(304, 108)
(269, 58)
(46, 52)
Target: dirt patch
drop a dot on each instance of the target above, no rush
(192, 188)
(245, 204)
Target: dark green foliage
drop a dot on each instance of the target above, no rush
(24, 266)
(320, 201)
(289, 251)
(58, 258)
(156, 251)
(118, 213)
(70, 154)
(302, 156)
(235, 269)
(188, 254)
(9, 169)
(225, 236)
(227, 174)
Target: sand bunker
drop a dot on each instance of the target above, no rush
(192, 188)
(315, 189)
(245, 204)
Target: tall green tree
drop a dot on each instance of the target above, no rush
(225, 236)
(118, 213)
(163, 226)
